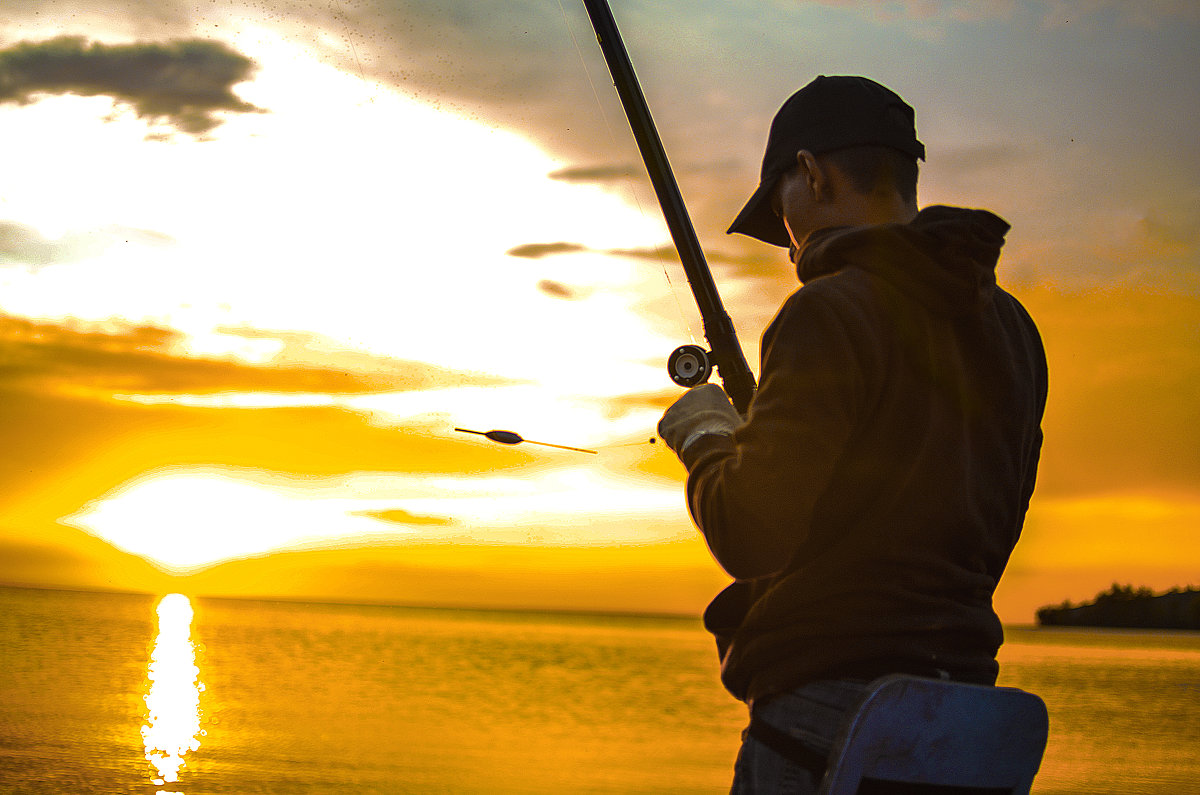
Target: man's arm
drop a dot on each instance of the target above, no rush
(752, 494)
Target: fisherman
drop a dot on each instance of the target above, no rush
(867, 504)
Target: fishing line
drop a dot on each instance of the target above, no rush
(632, 191)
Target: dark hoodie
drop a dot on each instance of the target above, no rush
(869, 504)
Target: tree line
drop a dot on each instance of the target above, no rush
(1126, 607)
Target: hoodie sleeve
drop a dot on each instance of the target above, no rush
(753, 495)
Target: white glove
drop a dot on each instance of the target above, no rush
(700, 411)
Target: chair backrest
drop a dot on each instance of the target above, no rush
(947, 734)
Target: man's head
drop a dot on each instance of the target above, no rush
(836, 146)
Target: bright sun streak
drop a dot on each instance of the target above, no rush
(172, 728)
(184, 520)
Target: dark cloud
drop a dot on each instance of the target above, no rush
(539, 250)
(25, 245)
(185, 83)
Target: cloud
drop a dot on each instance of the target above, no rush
(557, 290)
(185, 82)
(723, 169)
(67, 444)
(67, 441)
(539, 250)
(25, 245)
(400, 516)
(598, 173)
(757, 264)
(42, 357)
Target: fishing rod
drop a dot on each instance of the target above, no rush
(688, 365)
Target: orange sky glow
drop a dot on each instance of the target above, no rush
(237, 337)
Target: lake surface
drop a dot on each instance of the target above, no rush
(122, 694)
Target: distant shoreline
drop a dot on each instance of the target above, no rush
(1124, 607)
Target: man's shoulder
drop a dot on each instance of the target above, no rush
(850, 289)
(1012, 313)
(847, 300)
(1004, 298)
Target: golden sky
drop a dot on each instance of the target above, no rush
(258, 260)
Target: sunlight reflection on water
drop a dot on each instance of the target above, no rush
(173, 725)
(332, 699)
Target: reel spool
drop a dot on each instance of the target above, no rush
(689, 365)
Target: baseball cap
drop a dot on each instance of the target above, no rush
(827, 114)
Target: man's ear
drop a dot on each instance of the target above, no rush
(816, 177)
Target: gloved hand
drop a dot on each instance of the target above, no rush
(701, 410)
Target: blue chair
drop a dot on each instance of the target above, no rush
(916, 735)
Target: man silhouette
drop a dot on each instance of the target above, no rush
(868, 503)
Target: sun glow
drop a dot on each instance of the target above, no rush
(184, 520)
(172, 729)
(347, 218)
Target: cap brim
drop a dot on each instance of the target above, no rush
(759, 221)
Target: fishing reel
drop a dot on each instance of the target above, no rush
(689, 365)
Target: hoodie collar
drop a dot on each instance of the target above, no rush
(945, 257)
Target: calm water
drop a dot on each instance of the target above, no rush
(102, 694)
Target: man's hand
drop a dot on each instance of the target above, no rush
(701, 410)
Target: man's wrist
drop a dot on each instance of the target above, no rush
(700, 442)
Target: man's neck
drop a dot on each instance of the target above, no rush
(863, 209)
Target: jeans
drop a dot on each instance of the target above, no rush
(812, 714)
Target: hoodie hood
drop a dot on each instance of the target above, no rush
(945, 257)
